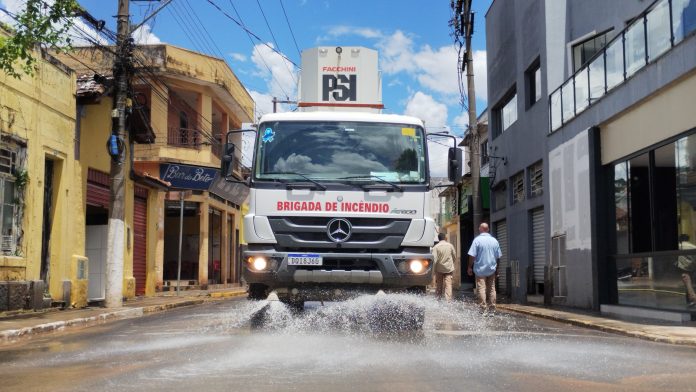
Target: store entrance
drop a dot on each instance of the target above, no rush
(190, 246)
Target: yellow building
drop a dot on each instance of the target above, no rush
(42, 228)
(183, 103)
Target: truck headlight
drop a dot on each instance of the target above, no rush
(417, 266)
(258, 263)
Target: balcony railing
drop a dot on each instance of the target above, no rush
(659, 28)
(193, 138)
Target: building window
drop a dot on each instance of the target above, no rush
(517, 184)
(536, 179)
(533, 81)
(653, 224)
(484, 153)
(506, 114)
(8, 205)
(584, 51)
(499, 199)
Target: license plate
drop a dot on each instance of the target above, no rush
(304, 259)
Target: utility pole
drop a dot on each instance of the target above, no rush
(276, 102)
(474, 143)
(117, 149)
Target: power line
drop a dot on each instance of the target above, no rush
(268, 25)
(299, 53)
(205, 30)
(188, 26)
(263, 60)
(274, 40)
(240, 24)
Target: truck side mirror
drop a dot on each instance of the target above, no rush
(454, 165)
(228, 160)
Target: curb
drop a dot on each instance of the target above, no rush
(13, 335)
(604, 328)
(228, 294)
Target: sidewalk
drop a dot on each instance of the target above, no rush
(20, 325)
(656, 331)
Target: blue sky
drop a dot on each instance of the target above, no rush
(413, 38)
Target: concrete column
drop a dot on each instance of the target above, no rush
(203, 244)
(224, 125)
(158, 240)
(233, 257)
(159, 110)
(205, 108)
(225, 247)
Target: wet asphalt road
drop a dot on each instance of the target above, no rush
(335, 348)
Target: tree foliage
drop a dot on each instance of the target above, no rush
(40, 23)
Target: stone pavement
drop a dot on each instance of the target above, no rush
(18, 325)
(664, 332)
(14, 327)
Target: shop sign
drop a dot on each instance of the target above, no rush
(464, 195)
(187, 176)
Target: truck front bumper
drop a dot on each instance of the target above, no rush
(369, 271)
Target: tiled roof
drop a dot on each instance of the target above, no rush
(92, 85)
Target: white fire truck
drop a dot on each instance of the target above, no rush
(339, 193)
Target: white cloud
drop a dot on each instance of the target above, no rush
(264, 103)
(434, 114)
(343, 30)
(437, 156)
(239, 57)
(462, 121)
(278, 72)
(437, 69)
(144, 36)
(82, 34)
(480, 75)
(426, 108)
(396, 53)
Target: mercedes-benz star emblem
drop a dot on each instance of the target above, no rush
(338, 230)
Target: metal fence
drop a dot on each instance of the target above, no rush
(659, 28)
(193, 138)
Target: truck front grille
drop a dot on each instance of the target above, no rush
(330, 264)
(309, 233)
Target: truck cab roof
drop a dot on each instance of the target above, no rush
(342, 116)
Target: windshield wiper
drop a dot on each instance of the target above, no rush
(378, 178)
(318, 184)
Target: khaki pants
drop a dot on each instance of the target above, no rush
(485, 291)
(686, 278)
(443, 285)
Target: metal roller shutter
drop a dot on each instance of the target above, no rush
(140, 240)
(502, 237)
(97, 189)
(538, 245)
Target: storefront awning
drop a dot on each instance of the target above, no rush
(151, 181)
(232, 191)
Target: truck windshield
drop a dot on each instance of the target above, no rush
(341, 151)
